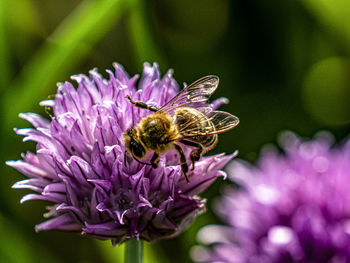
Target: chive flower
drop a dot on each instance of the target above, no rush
(79, 165)
(292, 207)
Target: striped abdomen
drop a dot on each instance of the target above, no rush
(193, 125)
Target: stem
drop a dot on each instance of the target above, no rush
(133, 251)
(142, 35)
(64, 49)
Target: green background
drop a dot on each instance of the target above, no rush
(284, 65)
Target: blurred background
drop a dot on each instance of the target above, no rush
(284, 65)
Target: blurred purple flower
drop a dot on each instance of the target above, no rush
(290, 208)
(79, 162)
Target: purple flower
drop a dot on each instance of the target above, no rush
(290, 208)
(79, 163)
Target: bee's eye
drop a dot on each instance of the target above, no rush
(137, 149)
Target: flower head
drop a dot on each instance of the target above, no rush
(79, 163)
(290, 208)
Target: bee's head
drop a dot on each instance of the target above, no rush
(133, 144)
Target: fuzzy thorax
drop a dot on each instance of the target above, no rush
(157, 131)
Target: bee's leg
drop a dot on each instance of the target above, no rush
(195, 154)
(184, 166)
(155, 160)
(142, 105)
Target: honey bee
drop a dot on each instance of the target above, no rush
(186, 119)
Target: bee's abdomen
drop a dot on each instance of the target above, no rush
(208, 141)
(189, 120)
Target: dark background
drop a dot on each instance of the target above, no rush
(284, 65)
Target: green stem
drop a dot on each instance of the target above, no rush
(65, 48)
(133, 251)
(142, 35)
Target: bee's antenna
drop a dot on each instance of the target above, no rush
(131, 101)
(125, 162)
(142, 162)
(125, 152)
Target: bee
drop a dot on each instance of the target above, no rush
(186, 119)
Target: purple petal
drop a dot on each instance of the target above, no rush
(105, 230)
(35, 119)
(63, 222)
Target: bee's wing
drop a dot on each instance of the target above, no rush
(197, 93)
(223, 121)
(212, 122)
